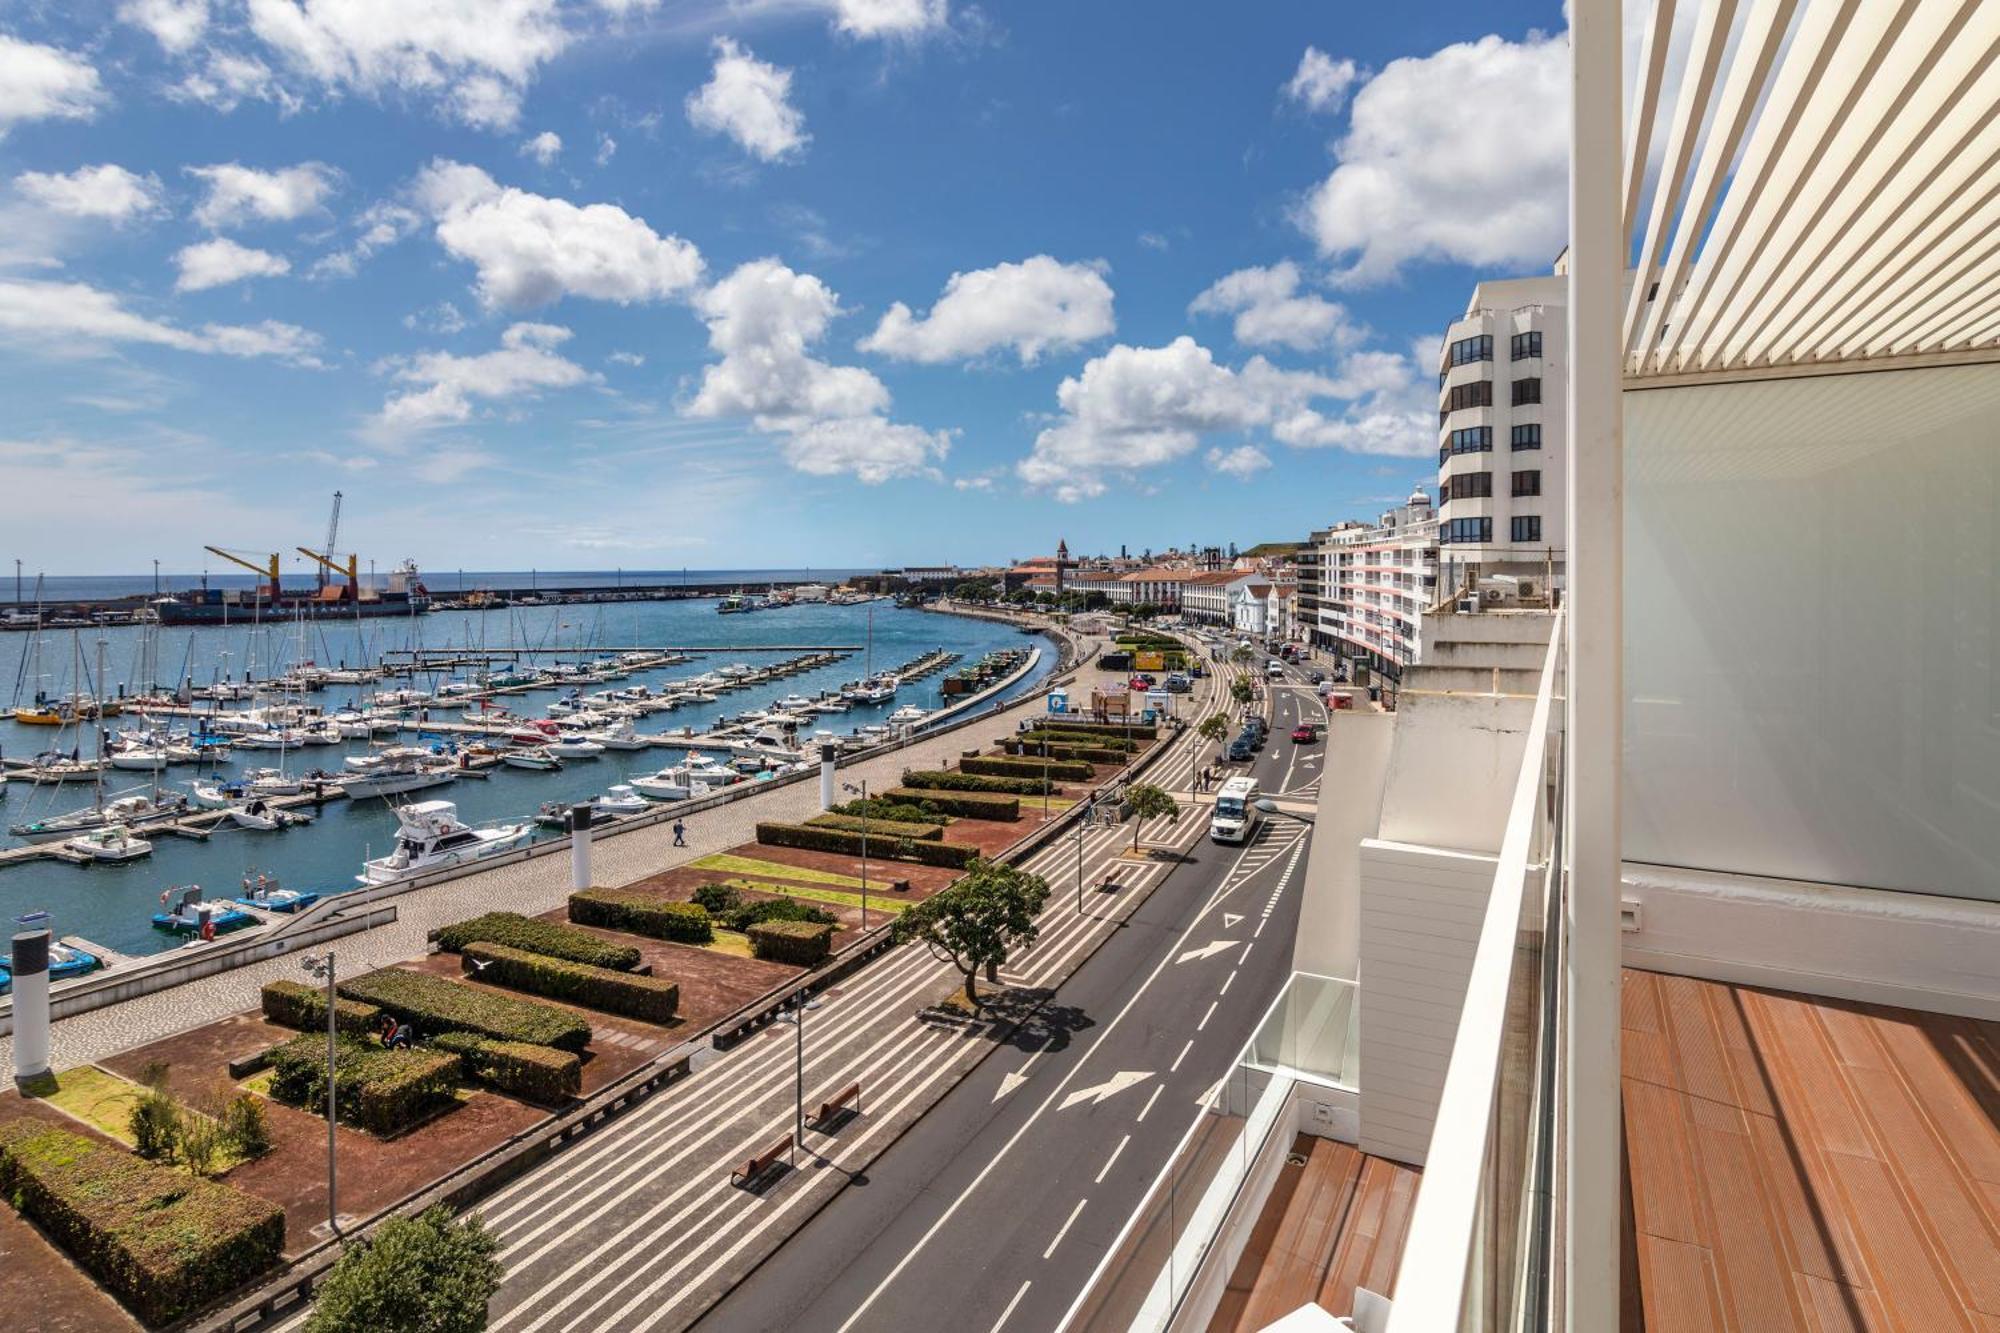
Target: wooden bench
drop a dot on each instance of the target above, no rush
(838, 1103)
(762, 1162)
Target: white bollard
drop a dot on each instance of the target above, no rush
(31, 1005)
(579, 845)
(827, 754)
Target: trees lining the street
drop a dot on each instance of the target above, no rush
(977, 922)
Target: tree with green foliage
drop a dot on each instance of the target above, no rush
(1144, 611)
(1242, 654)
(1241, 690)
(424, 1274)
(978, 921)
(1146, 801)
(1096, 600)
(1213, 728)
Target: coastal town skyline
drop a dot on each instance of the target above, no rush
(722, 285)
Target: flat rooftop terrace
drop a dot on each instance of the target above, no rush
(1794, 1162)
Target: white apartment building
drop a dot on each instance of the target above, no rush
(1501, 442)
(1376, 583)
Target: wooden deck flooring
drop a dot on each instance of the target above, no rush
(1328, 1226)
(1804, 1163)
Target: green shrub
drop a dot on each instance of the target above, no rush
(293, 1004)
(376, 1088)
(927, 782)
(537, 1073)
(801, 943)
(1065, 752)
(432, 1005)
(423, 1274)
(1057, 770)
(880, 828)
(243, 1126)
(878, 807)
(656, 918)
(717, 899)
(1084, 725)
(155, 1125)
(805, 836)
(551, 938)
(651, 998)
(980, 804)
(1066, 736)
(777, 909)
(163, 1242)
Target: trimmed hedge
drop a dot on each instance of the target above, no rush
(294, 1004)
(652, 998)
(538, 1073)
(163, 1241)
(655, 918)
(956, 855)
(1066, 736)
(550, 938)
(924, 782)
(801, 943)
(880, 828)
(976, 804)
(378, 1089)
(1061, 752)
(1083, 724)
(875, 807)
(433, 1005)
(1057, 771)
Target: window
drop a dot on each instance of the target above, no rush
(1527, 528)
(1527, 345)
(1528, 483)
(1466, 530)
(1471, 440)
(1525, 391)
(1468, 486)
(1479, 393)
(1528, 437)
(1467, 350)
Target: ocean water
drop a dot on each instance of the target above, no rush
(113, 904)
(444, 582)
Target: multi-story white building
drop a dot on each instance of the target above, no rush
(1500, 435)
(1377, 582)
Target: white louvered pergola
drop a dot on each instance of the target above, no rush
(1818, 190)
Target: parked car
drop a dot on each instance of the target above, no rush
(1318, 677)
(1242, 748)
(1178, 683)
(1305, 733)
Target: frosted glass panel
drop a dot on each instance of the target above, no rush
(1812, 588)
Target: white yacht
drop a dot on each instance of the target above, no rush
(534, 757)
(113, 842)
(620, 735)
(795, 703)
(697, 775)
(574, 747)
(429, 836)
(622, 799)
(907, 715)
(394, 776)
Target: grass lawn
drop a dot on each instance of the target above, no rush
(750, 865)
(97, 1097)
(732, 942)
(879, 898)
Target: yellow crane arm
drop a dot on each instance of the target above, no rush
(270, 572)
(350, 569)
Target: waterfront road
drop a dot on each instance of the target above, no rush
(994, 1209)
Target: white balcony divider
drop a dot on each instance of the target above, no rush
(1461, 1264)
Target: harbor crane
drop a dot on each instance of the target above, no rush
(332, 535)
(267, 571)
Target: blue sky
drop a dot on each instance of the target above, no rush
(610, 282)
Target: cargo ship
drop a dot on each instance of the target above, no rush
(338, 592)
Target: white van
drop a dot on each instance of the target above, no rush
(1274, 669)
(1236, 814)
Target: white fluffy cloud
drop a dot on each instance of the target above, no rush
(1138, 407)
(472, 58)
(175, 24)
(1243, 462)
(238, 194)
(1321, 83)
(1391, 407)
(764, 319)
(1412, 185)
(228, 79)
(890, 18)
(77, 316)
(1032, 306)
(221, 261)
(1270, 310)
(377, 227)
(530, 249)
(545, 147)
(749, 100)
(45, 83)
(524, 364)
(104, 191)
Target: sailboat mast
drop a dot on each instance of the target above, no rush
(99, 775)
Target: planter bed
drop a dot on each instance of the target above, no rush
(804, 836)
(1059, 770)
(926, 783)
(551, 939)
(534, 1073)
(642, 914)
(653, 999)
(294, 1004)
(976, 805)
(799, 943)
(433, 1005)
(880, 828)
(383, 1091)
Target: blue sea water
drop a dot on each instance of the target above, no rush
(113, 904)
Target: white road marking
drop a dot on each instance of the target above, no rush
(1246, 951)
(1109, 1088)
(1206, 951)
(1174, 1068)
(1009, 1082)
(1230, 918)
(1149, 1105)
(1226, 982)
(1066, 1226)
(1205, 1017)
(1010, 1307)
(1105, 1170)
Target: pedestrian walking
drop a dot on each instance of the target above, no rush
(680, 834)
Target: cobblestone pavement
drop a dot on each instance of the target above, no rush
(529, 887)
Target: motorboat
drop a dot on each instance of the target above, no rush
(429, 836)
(282, 738)
(574, 747)
(393, 777)
(620, 736)
(620, 800)
(833, 703)
(271, 782)
(697, 775)
(131, 811)
(907, 715)
(874, 690)
(380, 759)
(320, 733)
(351, 725)
(795, 703)
(537, 758)
(873, 732)
(261, 817)
(186, 914)
(112, 843)
(65, 960)
(265, 892)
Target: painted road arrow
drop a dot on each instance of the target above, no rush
(1009, 1082)
(1208, 950)
(1110, 1087)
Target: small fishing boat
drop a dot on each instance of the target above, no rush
(265, 818)
(264, 891)
(112, 843)
(795, 703)
(537, 758)
(907, 715)
(620, 800)
(271, 782)
(186, 914)
(429, 836)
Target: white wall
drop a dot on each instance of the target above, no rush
(1813, 629)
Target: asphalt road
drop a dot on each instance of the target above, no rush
(992, 1212)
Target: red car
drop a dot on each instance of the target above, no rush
(1305, 732)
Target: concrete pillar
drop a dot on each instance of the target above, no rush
(579, 844)
(31, 1005)
(827, 754)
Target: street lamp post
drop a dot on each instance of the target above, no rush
(863, 790)
(1082, 823)
(322, 968)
